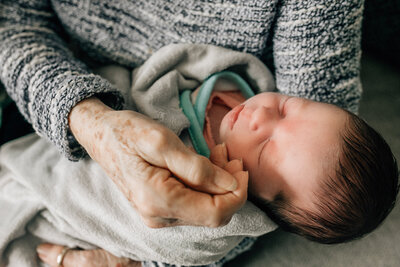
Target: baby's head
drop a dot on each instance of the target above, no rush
(315, 169)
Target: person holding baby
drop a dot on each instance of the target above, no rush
(313, 49)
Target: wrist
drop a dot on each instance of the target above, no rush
(84, 119)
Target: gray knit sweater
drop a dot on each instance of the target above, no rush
(312, 46)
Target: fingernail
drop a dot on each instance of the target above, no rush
(247, 175)
(43, 250)
(227, 183)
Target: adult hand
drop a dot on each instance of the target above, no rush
(166, 182)
(48, 253)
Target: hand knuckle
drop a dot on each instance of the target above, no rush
(86, 259)
(158, 138)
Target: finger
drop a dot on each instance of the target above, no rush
(199, 173)
(163, 148)
(219, 155)
(234, 166)
(48, 253)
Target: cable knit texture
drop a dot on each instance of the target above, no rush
(314, 46)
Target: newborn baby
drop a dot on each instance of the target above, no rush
(316, 169)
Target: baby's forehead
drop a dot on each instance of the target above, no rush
(308, 174)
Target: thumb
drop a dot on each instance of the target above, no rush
(199, 173)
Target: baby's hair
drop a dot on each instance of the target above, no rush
(355, 200)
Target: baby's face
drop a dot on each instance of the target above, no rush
(287, 143)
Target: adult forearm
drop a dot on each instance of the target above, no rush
(317, 50)
(40, 73)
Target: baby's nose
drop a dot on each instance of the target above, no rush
(261, 116)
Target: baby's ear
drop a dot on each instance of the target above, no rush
(219, 155)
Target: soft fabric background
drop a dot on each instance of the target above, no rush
(381, 30)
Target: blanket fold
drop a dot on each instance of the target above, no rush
(175, 68)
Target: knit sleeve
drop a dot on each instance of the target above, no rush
(316, 47)
(42, 76)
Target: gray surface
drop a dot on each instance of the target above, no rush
(381, 108)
